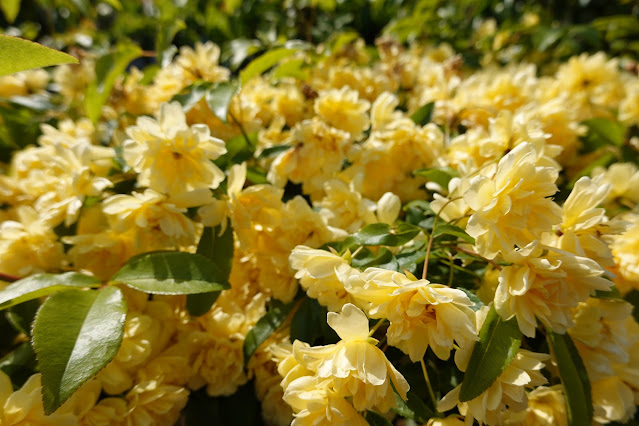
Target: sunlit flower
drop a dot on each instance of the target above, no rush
(343, 110)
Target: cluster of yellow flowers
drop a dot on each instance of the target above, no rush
(148, 177)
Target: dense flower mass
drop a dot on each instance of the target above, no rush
(367, 207)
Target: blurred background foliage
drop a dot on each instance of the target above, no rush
(481, 30)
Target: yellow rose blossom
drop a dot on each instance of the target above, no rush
(625, 250)
(28, 245)
(354, 366)
(546, 407)
(343, 110)
(623, 179)
(23, 83)
(512, 208)
(170, 156)
(102, 254)
(506, 396)
(155, 403)
(421, 314)
(107, 412)
(545, 288)
(318, 272)
(201, 63)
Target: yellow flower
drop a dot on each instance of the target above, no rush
(355, 367)
(343, 110)
(506, 396)
(421, 314)
(512, 208)
(546, 407)
(155, 403)
(201, 63)
(545, 288)
(108, 412)
(623, 179)
(318, 273)
(102, 254)
(625, 249)
(170, 156)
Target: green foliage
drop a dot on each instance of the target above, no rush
(424, 114)
(19, 364)
(107, 69)
(217, 95)
(309, 324)
(265, 326)
(574, 379)
(172, 272)
(18, 55)
(219, 249)
(40, 285)
(440, 175)
(262, 63)
(72, 345)
(498, 344)
(10, 8)
(375, 419)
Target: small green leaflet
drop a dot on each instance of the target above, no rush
(376, 419)
(456, 231)
(73, 345)
(440, 175)
(171, 272)
(10, 8)
(107, 69)
(413, 408)
(574, 379)
(498, 344)
(40, 285)
(262, 63)
(381, 234)
(19, 55)
(602, 132)
(217, 95)
(219, 249)
(424, 114)
(265, 326)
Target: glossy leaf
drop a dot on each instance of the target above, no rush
(18, 55)
(275, 150)
(265, 326)
(19, 364)
(424, 114)
(192, 94)
(218, 249)
(574, 379)
(309, 324)
(75, 334)
(171, 272)
(21, 316)
(375, 419)
(601, 132)
(381, 234)
(440, 175)
(107, 69)
(498, 344)
(40, 285)
(456, 231)
(262, 63)
(219, 98)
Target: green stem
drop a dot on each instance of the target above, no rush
(430, 387)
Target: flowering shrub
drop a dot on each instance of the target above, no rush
(332, 234)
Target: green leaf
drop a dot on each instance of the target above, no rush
(292, 68)
(18, 55)
(456, 231)
(262, 63)
(473, 298)
(574, 379)
(265, 326)
(424, 114)
(219, 97)
(171, 272)
(272, 151)
(166, 31)
(632, 297)
(192, 94)
(413, 408)
(75, 334)
(602, 132)
(613, 293)
(10, 8)
(107, 69)
(375, 419)
(40, 285)
(440, 175)
(21, 316)
(219, 249)
(498, 344)
(381, 234)
(309, 324)
(19, 364)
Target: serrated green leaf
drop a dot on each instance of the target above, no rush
(171, 272)
(219, 249)
(265, 326)
(10, 8)
(456, 231)
(498, 344)
(75, 334)
(381, 234)
(440, 175)
(219, 96)
(262, 63)
(376, 419)
(107, 69)
(574, 379)
(40, 285)
(19, 55)
(424, 114)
